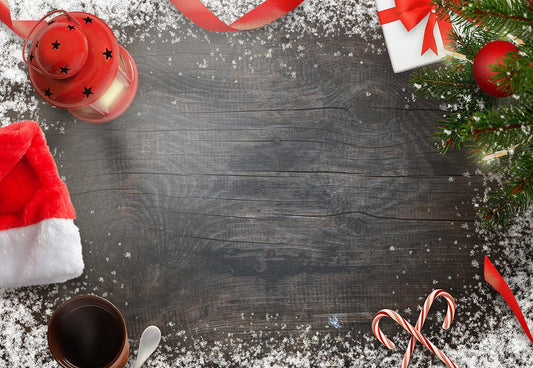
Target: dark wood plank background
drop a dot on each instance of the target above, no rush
(238, 189)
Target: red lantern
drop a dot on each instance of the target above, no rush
(75, 62)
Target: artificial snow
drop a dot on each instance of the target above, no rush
(490, 338)
(144, 18)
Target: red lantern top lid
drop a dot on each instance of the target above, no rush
(63, 50)
(73, 59)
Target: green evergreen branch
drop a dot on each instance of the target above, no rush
(516, 70)
(481, 14)
(514, 196)
(445, 83)
(500, 16)
(499, 131)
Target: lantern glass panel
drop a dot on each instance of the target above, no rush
(118, 96)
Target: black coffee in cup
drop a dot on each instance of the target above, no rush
(88, 332)
(89, 336)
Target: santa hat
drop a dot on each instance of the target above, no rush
(39, 243)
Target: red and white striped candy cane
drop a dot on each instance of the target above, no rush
(450, 313)
(409, 328)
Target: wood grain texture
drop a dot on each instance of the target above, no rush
(239, 189)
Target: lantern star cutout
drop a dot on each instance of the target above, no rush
(30, 58)
(88, 20)
(107, 53)
(47, 92)
(64, 69)
(55, 45)
(70, 27)
(87, 91)
(51, 22)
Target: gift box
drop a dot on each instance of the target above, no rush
(413, 33)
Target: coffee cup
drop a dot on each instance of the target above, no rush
(88, 332)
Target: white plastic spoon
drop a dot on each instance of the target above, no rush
(150, 339)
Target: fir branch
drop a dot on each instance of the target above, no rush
(499, 16)
(481, 14)
(452, 132)
(447, 83)
(443, 83)
(515, 72)
(515, 194)
(499, 131)
(469, 43)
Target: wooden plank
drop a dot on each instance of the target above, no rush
(238, 189)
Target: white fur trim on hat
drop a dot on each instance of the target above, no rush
(43, 253)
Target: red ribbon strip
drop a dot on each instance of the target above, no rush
(493, 277)
(263, 14)
(195, 10)
(411, 13)
(20, 27)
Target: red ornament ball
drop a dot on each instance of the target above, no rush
(490, 54)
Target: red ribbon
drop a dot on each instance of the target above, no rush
(265, 13)
(197, 12)
(493, 277)
(20, 27)
(411, 13)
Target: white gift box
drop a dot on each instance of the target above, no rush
(404, 46)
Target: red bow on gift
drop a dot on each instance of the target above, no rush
(411, 13)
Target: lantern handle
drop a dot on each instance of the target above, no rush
(48, 74)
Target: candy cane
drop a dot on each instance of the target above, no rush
(450, 313)
(415, 331)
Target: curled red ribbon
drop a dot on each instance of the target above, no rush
(411, 13)
(195, 10)
(265, 13)
(20, 27)
(493, 277)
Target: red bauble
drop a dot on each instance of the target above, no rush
(492, 53)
